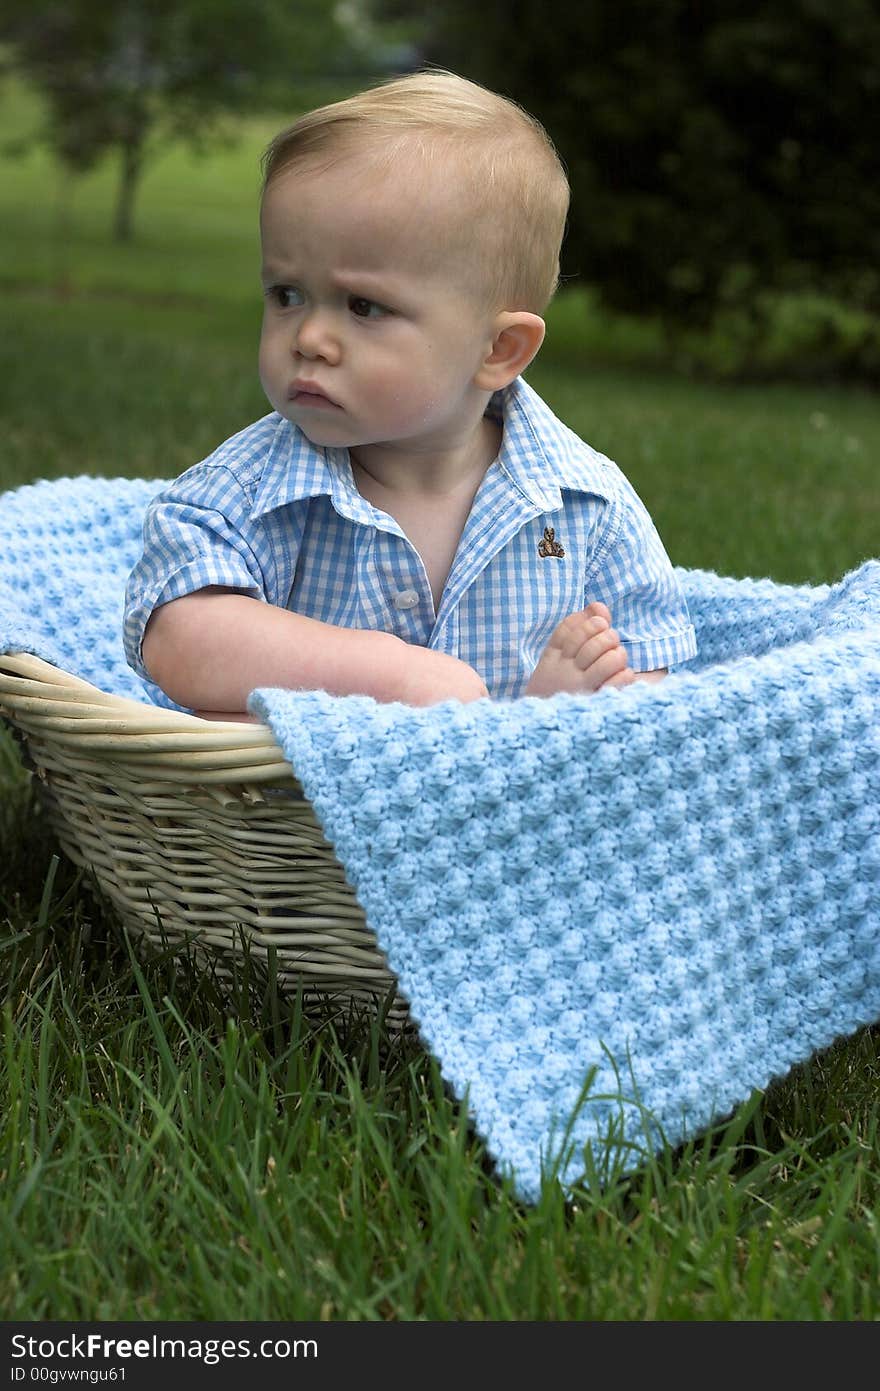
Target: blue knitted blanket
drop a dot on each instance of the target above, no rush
(613, 916)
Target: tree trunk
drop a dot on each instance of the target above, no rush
(132, 160)
(63, 231)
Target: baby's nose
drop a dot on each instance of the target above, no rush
(315, 337)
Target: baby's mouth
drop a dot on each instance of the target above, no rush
(307, 393)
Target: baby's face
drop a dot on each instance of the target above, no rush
(371, 334)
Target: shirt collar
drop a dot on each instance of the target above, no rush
(296, 469)
(539, 455)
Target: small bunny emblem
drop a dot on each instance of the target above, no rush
(549, 546)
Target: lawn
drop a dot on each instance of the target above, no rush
(170, 1154)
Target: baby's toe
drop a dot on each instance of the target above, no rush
(598, 610)
(574, 631)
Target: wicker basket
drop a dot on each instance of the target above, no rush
(196, 831)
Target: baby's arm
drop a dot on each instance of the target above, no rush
(208, 650)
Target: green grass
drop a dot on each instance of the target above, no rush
(166, 1156)
(167, 1153)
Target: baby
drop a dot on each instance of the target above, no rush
(411, 519)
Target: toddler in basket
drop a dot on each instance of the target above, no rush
(411, 522)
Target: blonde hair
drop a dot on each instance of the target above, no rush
(514, 186)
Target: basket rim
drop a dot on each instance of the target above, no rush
(44, 699)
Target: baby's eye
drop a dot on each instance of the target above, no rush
(286, 296)
(366, 308)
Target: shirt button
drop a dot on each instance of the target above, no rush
(406, 599)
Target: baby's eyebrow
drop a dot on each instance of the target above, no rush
(369, 281)
(382, 287)
(270, 274)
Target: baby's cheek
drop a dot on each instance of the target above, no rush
(398, 396)
(267, 364)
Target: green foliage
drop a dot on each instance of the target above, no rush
(715, 151)
(780, 336)
(117, 75)
(791, 334)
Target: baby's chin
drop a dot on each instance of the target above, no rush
(325, 434)
(336, 434)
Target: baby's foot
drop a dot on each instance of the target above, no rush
(583, 654)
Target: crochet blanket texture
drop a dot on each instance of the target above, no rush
(616, 914)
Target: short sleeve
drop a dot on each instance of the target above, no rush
(634, 577)
(195, 535)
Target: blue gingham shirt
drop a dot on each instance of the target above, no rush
(553, 527)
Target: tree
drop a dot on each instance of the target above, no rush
(713, 149)
(123, 75)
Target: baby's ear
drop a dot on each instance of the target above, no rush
(517, 336)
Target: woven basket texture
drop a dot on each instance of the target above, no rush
(197, 833)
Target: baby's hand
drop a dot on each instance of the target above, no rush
(583, 654)
(237, 716)
(426, 677)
